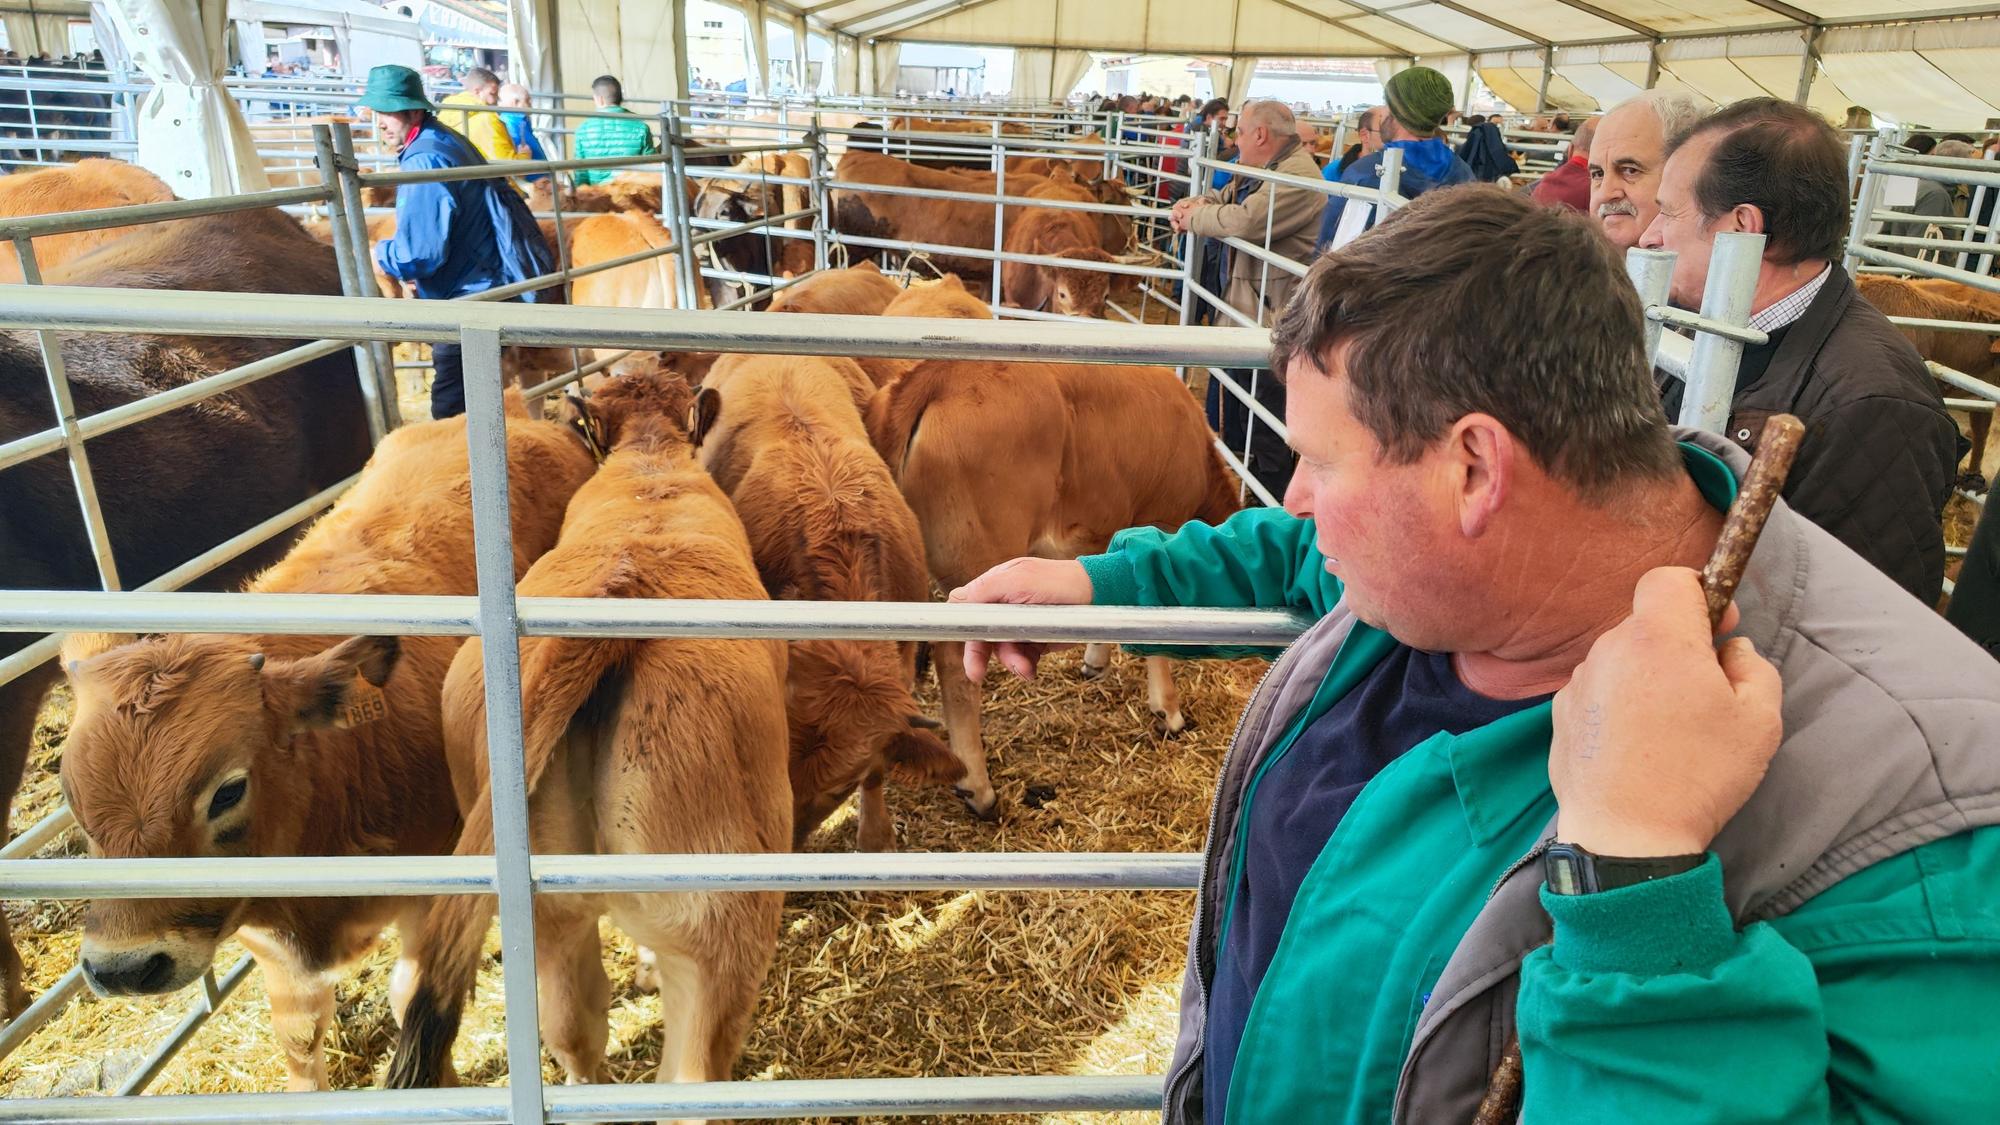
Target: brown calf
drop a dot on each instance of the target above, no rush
(1057, 234)
(1972, 353)
(221, 745)
(856, 291)
(1054, 458)
(783, 437)
(633, 747)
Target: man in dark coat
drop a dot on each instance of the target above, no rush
(452, 239)
(1880, 451)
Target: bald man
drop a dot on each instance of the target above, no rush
(1569, 185)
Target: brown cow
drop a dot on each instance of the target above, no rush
(173, 486)
(856, 291)
(1971, 353)
(1088, 451)
(632, 191)
(633, 747)
(942, 299)
(784, 438)
(87, 185)
(221, 745)
(946, 222)
(647, 284)
(1059, 234)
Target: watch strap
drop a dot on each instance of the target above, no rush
(1570, 870)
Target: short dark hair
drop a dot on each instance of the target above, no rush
(1417, 305)
(613, 91)
(1213, 106)
(479, 77)
(1921, 144)
(1786, 161)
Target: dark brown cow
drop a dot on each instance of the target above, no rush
(1971, 353)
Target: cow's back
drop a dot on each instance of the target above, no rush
(1140, 450)
(87, 185)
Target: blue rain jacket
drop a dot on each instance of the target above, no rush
(462, 237)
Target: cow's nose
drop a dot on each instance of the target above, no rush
(129, 973)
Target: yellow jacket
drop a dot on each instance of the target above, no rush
(486, 131)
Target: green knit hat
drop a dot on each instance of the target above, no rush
(394, 89)
(1420, 98)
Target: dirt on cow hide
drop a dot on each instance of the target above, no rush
(864, 985)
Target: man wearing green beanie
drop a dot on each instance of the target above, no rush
(1419, 100)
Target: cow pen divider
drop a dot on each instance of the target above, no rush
(1884, 253)
(496, 613)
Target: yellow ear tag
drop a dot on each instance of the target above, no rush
(365, 704)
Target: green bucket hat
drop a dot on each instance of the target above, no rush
(394, 89)
(1419, 97)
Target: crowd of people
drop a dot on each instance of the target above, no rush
(1662, 171)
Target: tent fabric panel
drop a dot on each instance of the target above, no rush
(1332, 9)
(1079, 25)
(1690, 15)
(1566, 95)
(1602, 53)
(1908, 89)
(1782, 44)
(1270, 28)
(1414, 41)
(1600, 82)
(1976, 69)
(1454, 27)
(1780, 77)
(1553, 20)
(1197, 29)
(1509, 86)
(1718, 80)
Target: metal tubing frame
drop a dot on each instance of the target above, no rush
(1733, 269)
(384, 358)
(1652, 274)
(788, 1098)
(341, 232)
(506, 766)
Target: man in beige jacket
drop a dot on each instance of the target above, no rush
(1267, 136)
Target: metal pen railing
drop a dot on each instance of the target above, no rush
(497, 616)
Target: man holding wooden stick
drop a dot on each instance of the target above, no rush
(1508, 789)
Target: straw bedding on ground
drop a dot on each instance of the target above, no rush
(864, 985)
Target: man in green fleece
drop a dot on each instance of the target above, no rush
(1507, 789)
(626, 135)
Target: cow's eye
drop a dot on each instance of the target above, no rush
(228, 797)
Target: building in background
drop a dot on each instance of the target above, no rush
(457, 34)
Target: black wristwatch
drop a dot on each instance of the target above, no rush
(1569, 870)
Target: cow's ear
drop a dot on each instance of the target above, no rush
(341, 687)
(702, 415)
(870, 266)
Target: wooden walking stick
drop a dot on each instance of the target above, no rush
(1776, 447)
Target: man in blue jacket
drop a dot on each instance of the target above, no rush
(1419, 100)
(452, 239)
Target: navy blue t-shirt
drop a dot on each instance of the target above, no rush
(1406, 699)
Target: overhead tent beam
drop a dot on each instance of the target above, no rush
(880, 21)
(1482, 17)
(1809, 65)
(1613, 17)
(1796, 15)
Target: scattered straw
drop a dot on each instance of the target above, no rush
(864, 985)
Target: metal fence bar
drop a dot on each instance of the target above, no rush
(385, 876)
(1681, 318)
(1732, 284)
(456, 615)
(286, 316)
(1652, 274)
(91, 510)
(792, 1098)
(72, 222)
(44, 1008)
(213, 994)
(351, 267)
(383, 358)
(506, 769)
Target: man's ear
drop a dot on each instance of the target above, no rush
(338, 687)
(1747, 218)
(1484, 452)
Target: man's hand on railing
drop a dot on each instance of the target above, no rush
(1021, 582)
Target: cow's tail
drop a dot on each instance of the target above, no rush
(558, 674)
(897, 412)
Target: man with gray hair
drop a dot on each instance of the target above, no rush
(1246, 207)
(1626, 156)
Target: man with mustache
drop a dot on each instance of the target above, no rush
(1626, 156)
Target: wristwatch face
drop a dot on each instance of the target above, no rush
(1565, 872)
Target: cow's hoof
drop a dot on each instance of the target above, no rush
(990, 814)
(1091, 671)
(1971, 482)
(1171, 728)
